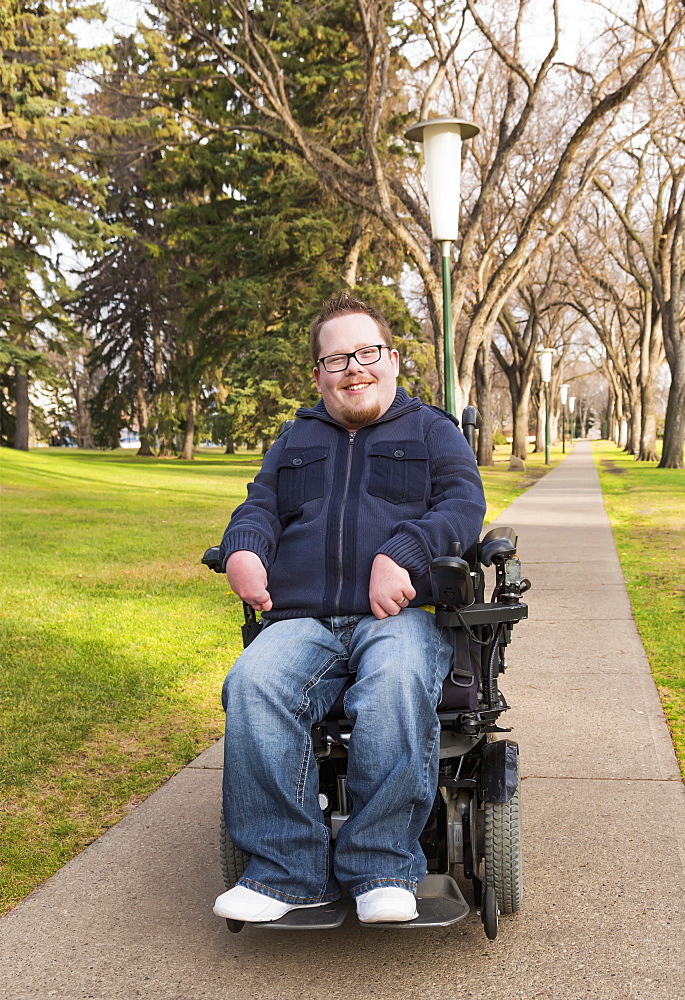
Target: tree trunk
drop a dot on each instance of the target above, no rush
(143, 418)
(21, 411)
(674, 429)
(84, 432)
(635, 422)
(540, 428)
(189, 430)
(484, 397)
(230, 447)
(519, 444)
(647, 451)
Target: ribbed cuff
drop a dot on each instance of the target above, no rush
(245, 538)
(407, 552)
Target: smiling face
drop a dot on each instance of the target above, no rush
(362, 393)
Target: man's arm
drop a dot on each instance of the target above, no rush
(250, 540)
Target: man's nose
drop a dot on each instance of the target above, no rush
(354, 366)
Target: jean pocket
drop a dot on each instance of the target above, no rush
(301, 476)
(399, 471)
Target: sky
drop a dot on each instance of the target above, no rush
(124, 13)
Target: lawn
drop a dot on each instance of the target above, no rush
(646, 507)
(114, 640)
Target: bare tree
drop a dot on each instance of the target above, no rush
(245, 44)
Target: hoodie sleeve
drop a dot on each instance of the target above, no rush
(456, 507)
(255, 524)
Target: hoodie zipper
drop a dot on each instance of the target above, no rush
(350, 442)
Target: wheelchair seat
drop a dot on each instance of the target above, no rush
(453, 699)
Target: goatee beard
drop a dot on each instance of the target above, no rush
(359, 418)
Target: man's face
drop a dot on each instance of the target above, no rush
(362, 393)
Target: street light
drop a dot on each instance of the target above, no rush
(571, 407)
(546, 376)
(442, 139)
(563, 395)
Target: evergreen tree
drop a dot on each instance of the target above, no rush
(48, 188)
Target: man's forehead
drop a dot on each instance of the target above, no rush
(348, 333)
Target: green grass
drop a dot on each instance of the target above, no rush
(114, 640)
(646, 507)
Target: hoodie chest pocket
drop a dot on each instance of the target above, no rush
(399, 471)
(301, 477)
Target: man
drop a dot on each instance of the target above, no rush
(333, 545)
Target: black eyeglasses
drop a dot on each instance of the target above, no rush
(364, 356)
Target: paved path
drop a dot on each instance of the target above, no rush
(604, 815)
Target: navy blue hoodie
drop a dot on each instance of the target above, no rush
(328, 500)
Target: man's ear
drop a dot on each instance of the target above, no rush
(395, 358)
(315, 373)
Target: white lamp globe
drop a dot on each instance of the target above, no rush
(442, 139)
(563, 393)
(546, 364)
(572, 403)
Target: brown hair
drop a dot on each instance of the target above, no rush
(340, 305)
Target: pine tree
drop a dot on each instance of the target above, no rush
(48, 188)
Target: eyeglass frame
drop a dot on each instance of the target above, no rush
(352, 354)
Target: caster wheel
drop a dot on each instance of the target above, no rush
(234, 926)
(490, 912)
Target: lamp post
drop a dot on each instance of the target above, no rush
(442, 139)
(563, 395)
(546, 376)
(571, 406)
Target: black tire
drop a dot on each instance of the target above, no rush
(233, 860)
(503, 851)
(490, 912)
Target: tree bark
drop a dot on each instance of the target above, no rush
(189, 430)
(21, 411)
(143, 418)
(674, 428)
(540, 423)
(519, 444)
(484, 397)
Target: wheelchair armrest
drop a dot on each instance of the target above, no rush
(498, 544)
(211, 559)
(482, 614)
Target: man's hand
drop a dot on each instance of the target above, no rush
(390, 587)
(247, 578)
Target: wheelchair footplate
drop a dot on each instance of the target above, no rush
(317, 918)
(439, 902)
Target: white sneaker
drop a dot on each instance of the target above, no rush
(390, 903)
(241, 903)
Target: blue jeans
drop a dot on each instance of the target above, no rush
(286, 681)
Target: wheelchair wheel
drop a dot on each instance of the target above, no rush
(503, 851)
(233, 860)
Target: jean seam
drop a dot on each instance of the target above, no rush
(304, 701)
(385, 881)
(304, 767)
(285, 895)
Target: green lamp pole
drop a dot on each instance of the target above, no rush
(442, 139)
(546, 376)
(563, 395)
(571, 408)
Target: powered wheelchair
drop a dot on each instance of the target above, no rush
(475, 824)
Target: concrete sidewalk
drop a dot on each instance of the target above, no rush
(604, 815)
